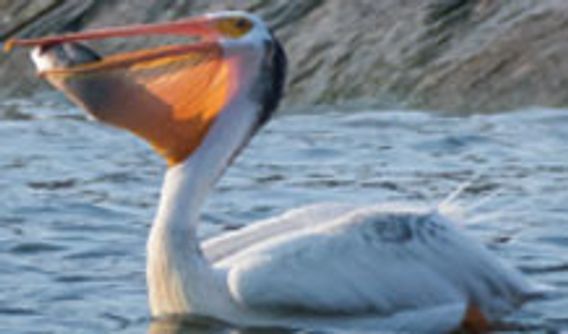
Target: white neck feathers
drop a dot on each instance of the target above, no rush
(176, 269)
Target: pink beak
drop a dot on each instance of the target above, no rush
(198, 26)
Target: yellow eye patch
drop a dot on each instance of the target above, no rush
(234, 27)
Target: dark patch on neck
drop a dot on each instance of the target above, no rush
(270, 85)
(268, 89)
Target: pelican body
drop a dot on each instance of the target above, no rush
(198, 104)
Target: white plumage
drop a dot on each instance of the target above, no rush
(378, 260)
(333, 266)
(372, 260)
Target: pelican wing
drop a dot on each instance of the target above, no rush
(373, 261)
(231, 244)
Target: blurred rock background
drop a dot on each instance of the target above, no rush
(450, 55)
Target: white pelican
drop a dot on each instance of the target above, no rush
(323, 267)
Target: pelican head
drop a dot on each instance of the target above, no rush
(171, 95)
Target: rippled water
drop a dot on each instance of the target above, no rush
(77, 198)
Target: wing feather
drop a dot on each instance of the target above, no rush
(230, 244)
(373, 261)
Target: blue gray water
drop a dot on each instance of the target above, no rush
(77, 199)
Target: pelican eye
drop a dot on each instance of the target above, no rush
(234, 27)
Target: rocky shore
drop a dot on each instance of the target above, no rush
(450, 55)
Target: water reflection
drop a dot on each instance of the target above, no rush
(204, 325)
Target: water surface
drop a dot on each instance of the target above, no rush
(77, 199)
